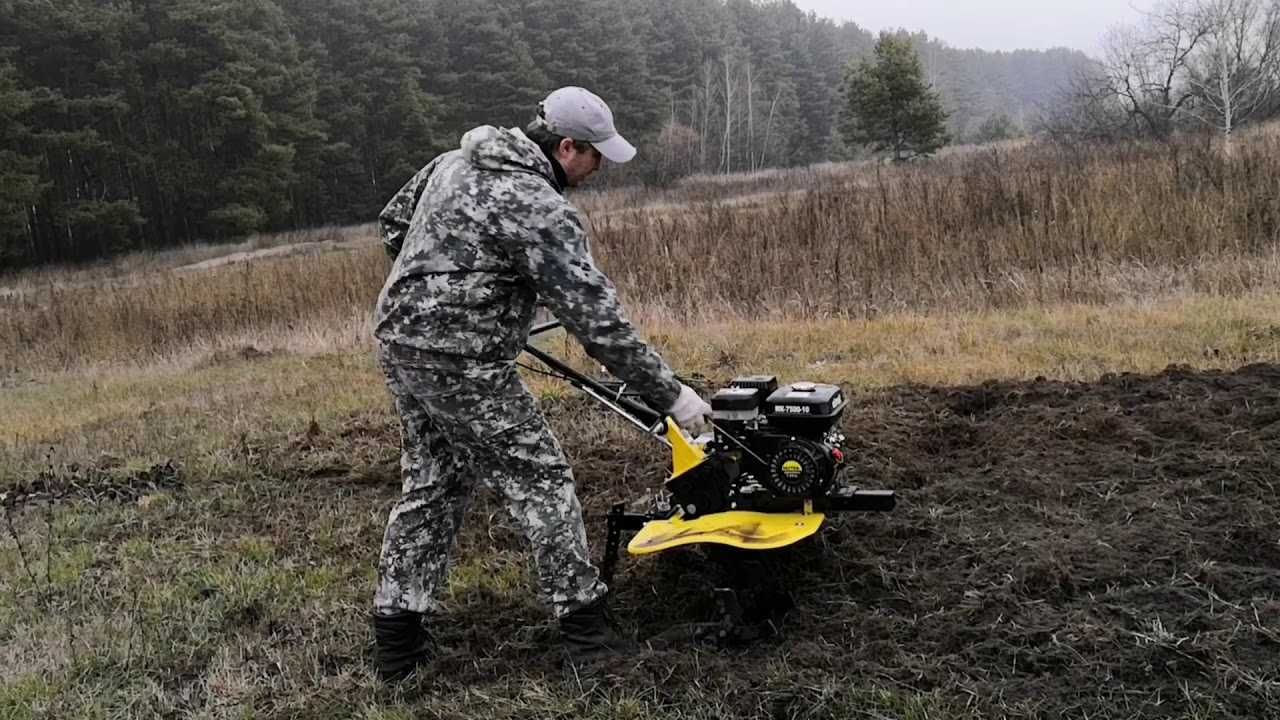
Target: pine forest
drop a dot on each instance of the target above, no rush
(144, 125)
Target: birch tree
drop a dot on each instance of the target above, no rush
(1235, 75)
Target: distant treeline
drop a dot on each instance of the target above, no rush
(128, 125)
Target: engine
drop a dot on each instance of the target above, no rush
(785, 439)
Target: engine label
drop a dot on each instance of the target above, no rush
(793, 409)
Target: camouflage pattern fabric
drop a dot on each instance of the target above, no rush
(467, 423)
(479, 237)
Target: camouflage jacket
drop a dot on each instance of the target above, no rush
(480, 236)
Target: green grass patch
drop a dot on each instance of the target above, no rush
(27, 698)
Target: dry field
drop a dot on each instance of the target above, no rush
(1064, 360)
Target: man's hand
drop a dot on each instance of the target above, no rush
(690, 411)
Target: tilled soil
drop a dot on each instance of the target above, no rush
(1060, 549)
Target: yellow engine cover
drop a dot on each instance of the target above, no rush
(747, 530)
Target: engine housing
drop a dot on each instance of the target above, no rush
(785, 439)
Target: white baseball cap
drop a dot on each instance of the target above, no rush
(580, 114)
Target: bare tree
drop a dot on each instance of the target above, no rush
(768, 129)
(1235, 76)
(751, 116)
(1087, 109)
(1146, 68)
(1215, 63)
(708, 85)
(730, 88)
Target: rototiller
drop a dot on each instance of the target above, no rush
(764, 478)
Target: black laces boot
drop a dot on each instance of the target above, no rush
(590, 634)
(401, 644)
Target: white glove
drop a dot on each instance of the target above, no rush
(690, 411)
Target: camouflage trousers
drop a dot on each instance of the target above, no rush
(463, 424)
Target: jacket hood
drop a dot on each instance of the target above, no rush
(505, 150)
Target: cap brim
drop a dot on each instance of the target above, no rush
(616, 149)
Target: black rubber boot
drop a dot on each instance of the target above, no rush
(401, 644)
(590, 634)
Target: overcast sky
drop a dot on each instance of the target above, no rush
(990, 24)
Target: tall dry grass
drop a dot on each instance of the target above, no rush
(130, 268)
(994, 229)
(155, 317)
(1003, 227)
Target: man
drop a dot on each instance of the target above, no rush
(480, 236)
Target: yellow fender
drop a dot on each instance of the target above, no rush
(747, 530)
